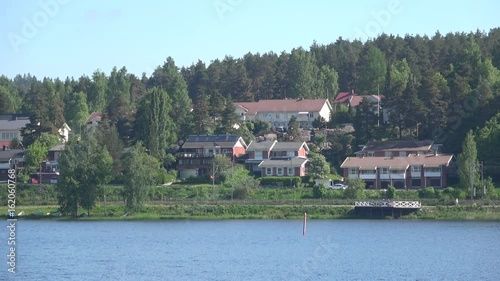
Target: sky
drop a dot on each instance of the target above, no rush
(71, 38)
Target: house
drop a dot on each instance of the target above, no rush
(64, 132)
(279, 112)
(412, 171)
(11, 126)
(93, 120)
(350, 99)
(198, 152)
(9, 158)
(258, 151)
(291, 166)
(49, 171)
(399, 148)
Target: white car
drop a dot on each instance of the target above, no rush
(339, 186)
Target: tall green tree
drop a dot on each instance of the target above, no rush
(77, 111)
(154, 126)
(317, 167)
(96, 97)
(372, 70)
(140, 172)
(468, 166)
(85, 166)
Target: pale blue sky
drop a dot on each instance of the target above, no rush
(75, 37)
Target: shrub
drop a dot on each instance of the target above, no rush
(280, 181)
(427, 192)
(391, 192)
(319, 191)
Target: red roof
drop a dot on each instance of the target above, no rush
(352, 99)
(95, 116)
(287, 105)
(343, 97)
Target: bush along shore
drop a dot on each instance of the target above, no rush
(205, 201)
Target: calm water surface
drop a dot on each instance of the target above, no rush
(255, 250)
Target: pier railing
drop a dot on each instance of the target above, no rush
(389, 204)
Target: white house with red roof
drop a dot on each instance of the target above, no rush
(279, 112)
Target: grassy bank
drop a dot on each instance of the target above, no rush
(239, 211)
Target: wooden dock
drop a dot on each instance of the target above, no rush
(384, 208)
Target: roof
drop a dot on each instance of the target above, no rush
(59, 147)
(356, 100)
(197, 141)
(13, 124)
(288, 162)
(342, 97)
(7, 154)
(372, 163)
(94, 116)
(261, 145)
(286, 105)
(408, 145)
(281, 146)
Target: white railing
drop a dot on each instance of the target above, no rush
(389, 204)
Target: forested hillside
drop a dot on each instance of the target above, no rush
(437, 87)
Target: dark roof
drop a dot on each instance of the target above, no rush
(286, 162)
(260, 145)
(212, 138)
(423, 145)
(280, 146)
(198, 141)
(13, 124)
(7, 154)
(287, 105)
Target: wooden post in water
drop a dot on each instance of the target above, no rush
(305, 225)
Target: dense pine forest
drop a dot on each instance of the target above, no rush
(438, 87)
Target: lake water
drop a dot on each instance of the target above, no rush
(254, 250)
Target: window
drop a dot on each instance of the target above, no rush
(310, 115)
(384, 171)
(433, 169)
(279, 171)
(371, 154)
(402, 153)
(416, 169)
(291, 171)
(388, 154)
(353, 171)
(367, 172)
(269, 171)
(277, 115)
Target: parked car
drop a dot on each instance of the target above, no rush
(339, 186)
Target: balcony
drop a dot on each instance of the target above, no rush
(397, 176)
(367, 174)
(432, 174)
(353, 176)
(416, 175)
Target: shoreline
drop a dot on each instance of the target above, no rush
(256, 212)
